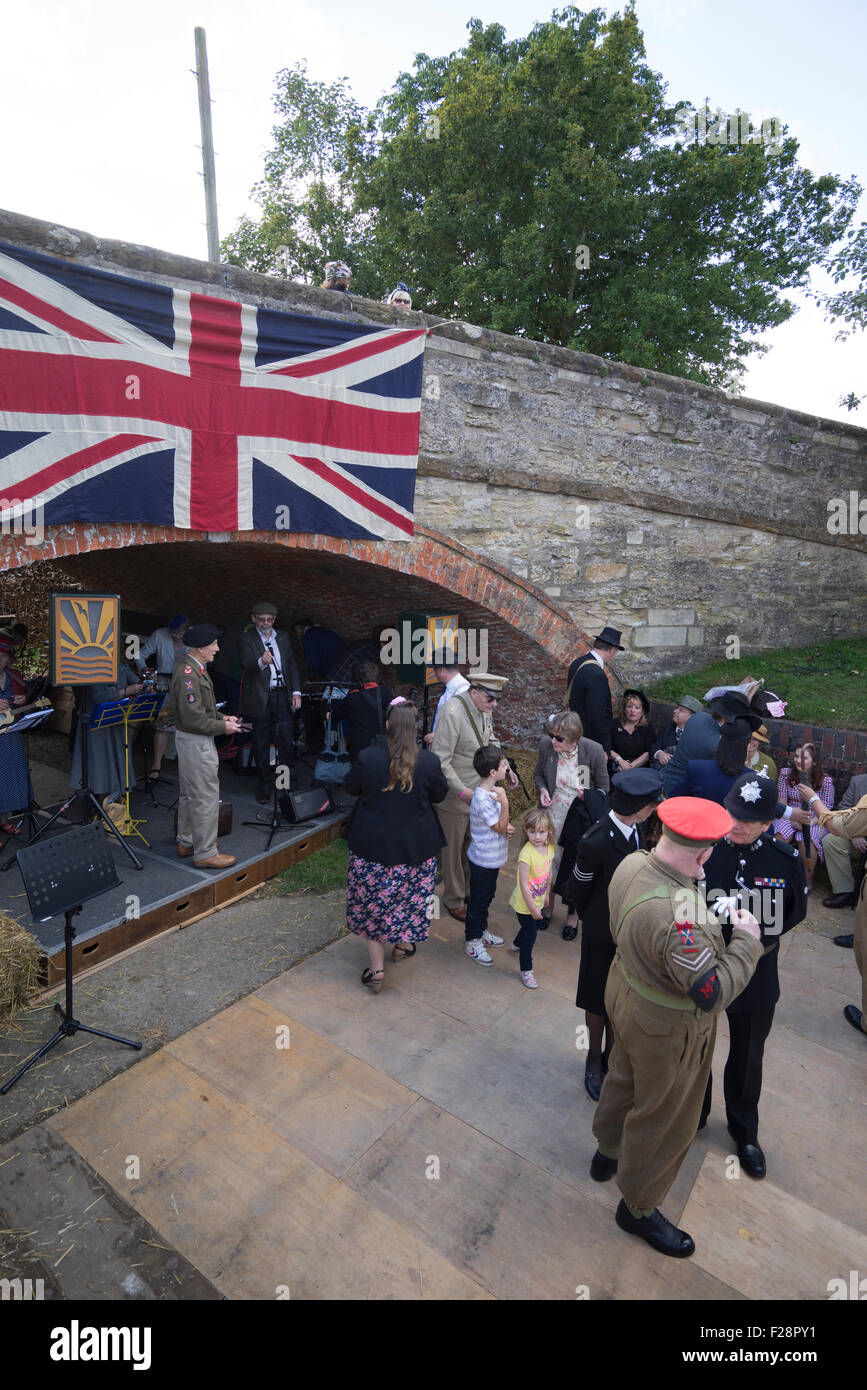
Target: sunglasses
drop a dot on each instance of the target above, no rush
(557, 738)
(492, 699)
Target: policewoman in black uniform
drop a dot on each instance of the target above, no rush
(634, 796)
(768, 879)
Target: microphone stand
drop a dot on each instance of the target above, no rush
(276, 822)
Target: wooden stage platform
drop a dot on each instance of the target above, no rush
(167, 892)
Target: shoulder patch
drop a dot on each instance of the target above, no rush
(192, 699)
(705, 991)
(188, 670)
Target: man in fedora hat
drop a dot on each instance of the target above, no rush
(464, 724)
(270, 682)
(767, 877)
(587, 690)
(191, 696)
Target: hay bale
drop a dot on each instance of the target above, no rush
(20, 957)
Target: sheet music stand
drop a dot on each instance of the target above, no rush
(61, 875)
(23, 726)
(139, 709)
(86, 794)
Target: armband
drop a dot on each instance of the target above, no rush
(705, 992)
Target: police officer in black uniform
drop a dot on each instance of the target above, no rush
(634, 795)
(768, 879)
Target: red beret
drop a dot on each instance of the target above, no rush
(693, 821)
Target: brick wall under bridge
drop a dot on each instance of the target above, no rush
(347, 585)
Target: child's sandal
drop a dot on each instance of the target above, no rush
(369, 979)
(402, 950)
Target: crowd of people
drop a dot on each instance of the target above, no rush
(684, 855)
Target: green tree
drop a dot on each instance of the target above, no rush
(480, 175)
(850, 305)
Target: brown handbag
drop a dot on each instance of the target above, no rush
(224, 823)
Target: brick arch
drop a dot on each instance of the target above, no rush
(430, 556)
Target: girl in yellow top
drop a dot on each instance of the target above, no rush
(531, 890)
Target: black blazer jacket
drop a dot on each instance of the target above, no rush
(395, 827)
(590, 696)
(254, 696)
(597, 855)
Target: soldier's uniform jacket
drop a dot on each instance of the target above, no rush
(776, 894)
(460, 730)
(669, 947)
(598, 853)
(850, 825)
(191, 696)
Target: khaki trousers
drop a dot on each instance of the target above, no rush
(651, 1099)
(199, 802)
(456, 866)
(861, 949)
(841, 857)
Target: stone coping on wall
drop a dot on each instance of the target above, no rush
(843, 751)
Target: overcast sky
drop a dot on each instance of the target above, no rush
(100, 116)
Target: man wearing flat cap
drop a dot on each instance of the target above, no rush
(191, 696)
(464, 724)
(270, 692)
(672, 975)
(767, 877)
(587, 690)
(669, 738)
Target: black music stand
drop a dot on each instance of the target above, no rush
(61, 875)
(85, 794)
(23, 726)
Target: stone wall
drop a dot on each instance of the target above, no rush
(675, 512)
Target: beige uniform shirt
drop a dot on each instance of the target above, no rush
(671, 944)
(455, 743)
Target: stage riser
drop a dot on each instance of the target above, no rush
(183, 910)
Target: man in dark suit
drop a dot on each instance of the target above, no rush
(587, 690)
(767, 877)
(634, 797)
(270, 692)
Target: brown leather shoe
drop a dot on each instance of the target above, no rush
(217, 861)
(185, 851)
(839, 900)
(459, 913)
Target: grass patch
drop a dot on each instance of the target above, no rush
(824, 684)
(320, 872)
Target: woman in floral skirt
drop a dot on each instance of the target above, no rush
(394, 836)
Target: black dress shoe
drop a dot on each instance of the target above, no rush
(846, 941)
(602, 1168)
(570, 933)
(659, 1233)
(752, 1160)
(592, 1083)
(839, 900)
(853, 1016)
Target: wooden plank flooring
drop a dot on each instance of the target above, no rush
(434, 1141)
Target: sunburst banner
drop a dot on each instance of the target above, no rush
(85, 639)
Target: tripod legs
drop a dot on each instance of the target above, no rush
(69, 1026)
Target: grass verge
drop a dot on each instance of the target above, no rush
(824, 684)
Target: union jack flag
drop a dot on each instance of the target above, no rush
(123, 400)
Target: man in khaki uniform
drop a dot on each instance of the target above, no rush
(191, 696)
(672, 975)
(849, 825)
(463, 725)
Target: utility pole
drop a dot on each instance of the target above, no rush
(208, 171)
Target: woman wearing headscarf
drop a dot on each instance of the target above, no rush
(394, 836)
